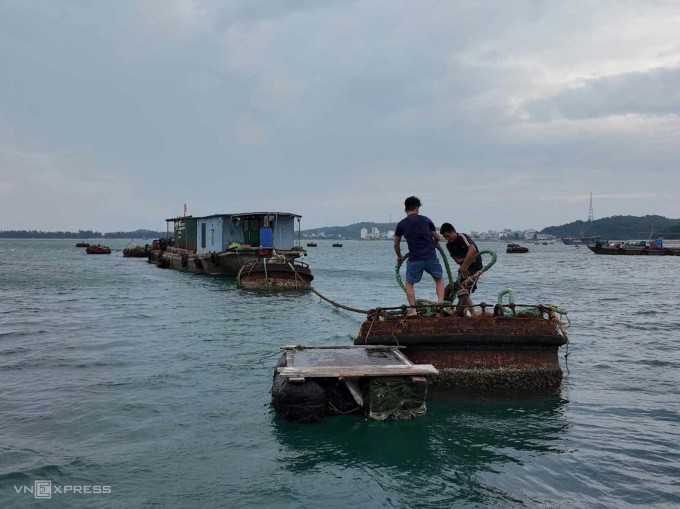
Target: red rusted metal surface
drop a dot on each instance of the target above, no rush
(479, 342)
(489, 357)
(98, 249)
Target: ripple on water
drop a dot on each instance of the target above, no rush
(157, 383)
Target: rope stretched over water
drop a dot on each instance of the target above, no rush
(322, 297)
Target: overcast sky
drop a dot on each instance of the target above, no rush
(113, 114)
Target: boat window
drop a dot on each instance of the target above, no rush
(212, 236)
(203, 235)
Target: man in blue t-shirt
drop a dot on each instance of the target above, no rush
(421, 237)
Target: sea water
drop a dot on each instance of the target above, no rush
(125, 385)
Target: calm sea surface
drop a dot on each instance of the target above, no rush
(155, 383)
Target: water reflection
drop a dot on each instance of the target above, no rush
(465, 433)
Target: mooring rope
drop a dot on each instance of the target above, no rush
(323, 297)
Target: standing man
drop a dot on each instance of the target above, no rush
(464, 251)
(421, 237)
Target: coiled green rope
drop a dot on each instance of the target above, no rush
(528, 310)
(486, 267)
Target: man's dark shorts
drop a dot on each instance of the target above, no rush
(414, 270)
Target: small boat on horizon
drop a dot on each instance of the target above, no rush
(337, 244)
(311, 244)
(82, 244)
(516, 248)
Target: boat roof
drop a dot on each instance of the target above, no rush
(239, 214)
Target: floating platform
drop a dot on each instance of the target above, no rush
(482, 351)
(136, 251)
(311, 382)
(98, 249)
(516, 248)
(269, 274)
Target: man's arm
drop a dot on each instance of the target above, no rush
(436, 237)
(397, 247)
(471, 253)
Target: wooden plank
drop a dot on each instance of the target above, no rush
(359, 371)
(355, 391)
(289, 357)
(402, 357)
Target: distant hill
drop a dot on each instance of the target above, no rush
(80, 234)
(350, 232)
(618, 227)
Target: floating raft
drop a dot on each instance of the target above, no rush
(516, 248)
(274, 274)
(98, 249)
(378, 381)
(136, 251)
(482, 351)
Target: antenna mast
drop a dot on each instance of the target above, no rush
(590, 210)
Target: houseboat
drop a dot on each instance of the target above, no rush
(220, 244)
(642, 247)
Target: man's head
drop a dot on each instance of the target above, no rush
(448, 232)
(412, 203)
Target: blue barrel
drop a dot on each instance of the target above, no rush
(266, 237)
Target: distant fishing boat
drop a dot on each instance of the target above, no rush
(82, 244)
(311, 244)
(337, 244)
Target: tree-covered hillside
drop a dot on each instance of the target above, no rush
(80, 234)
(352, 231)
(616, 227)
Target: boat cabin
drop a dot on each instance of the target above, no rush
(217, 232)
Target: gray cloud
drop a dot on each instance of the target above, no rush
(655, 92)
(335, 110)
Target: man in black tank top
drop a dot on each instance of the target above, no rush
(463, 250)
